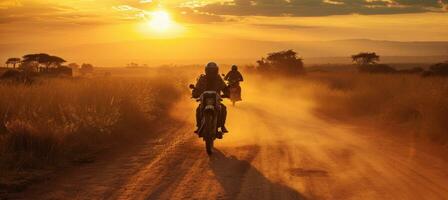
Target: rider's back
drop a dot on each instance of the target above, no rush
(234, 76)
(208, 83)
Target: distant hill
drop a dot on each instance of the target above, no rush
(188, 51)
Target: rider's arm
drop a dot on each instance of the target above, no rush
(222, 87)
(227, 76)
(199, 87)
(240, 76)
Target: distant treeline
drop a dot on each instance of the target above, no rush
(289, 63)
(31, 65)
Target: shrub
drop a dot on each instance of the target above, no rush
(284, 62)
(376, 68)
(11, 74)
(439, 69)
(415, 70)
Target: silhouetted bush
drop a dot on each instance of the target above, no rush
(284, 62)
(439, 69)
(11, 74)
(18, 76)
(376, 68)
(415, 70)
(59, 71)
(86, 69)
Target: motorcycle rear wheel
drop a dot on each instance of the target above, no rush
(209, 133)
(209, 146)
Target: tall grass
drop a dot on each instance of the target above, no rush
(415, 104)
(56, 120)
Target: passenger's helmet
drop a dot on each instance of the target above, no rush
(234, 67)
(211, 69)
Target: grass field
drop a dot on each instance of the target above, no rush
(57, 121)
(411, 103)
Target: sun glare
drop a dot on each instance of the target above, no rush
(160, 21)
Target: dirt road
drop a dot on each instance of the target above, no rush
(277, 149)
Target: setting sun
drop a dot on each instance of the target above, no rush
(160, 20)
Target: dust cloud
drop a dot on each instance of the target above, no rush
(288, 144)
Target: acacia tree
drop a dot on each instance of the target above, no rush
(367, 63)
(366, 58)
(13, 62)
(44, 59)
(55, 61)
(283, 61)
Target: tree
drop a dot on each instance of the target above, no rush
(13, 62)
(86, 68)
(29, 67)
(73, 66)
(365, 58)
(367, 63)
(56, 61)
(44, 59)
(283, 61)
(40, 58)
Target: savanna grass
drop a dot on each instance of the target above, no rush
(415, 104)
(53, 120)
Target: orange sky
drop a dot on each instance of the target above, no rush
(76, 29)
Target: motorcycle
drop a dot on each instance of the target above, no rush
(210, 109)
(233, 91)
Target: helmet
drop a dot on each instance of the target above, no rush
(211, 68)
(234, 67)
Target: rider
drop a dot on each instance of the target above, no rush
(234, 77)
(211, 81)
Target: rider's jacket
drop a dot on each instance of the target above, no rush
(208, 83)
(233, 76)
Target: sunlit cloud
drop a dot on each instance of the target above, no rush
(334, 2)
(9, 3)
(320, 8)
(92, 21)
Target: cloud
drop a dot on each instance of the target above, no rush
(90, 13)
(321, 8)
(5, 4)
(32, 12)
(70, 13)
(283, 26)
(181, 14)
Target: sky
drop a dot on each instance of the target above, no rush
(81, 29)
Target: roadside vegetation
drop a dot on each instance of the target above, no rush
(58, 121)
(409, 103)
